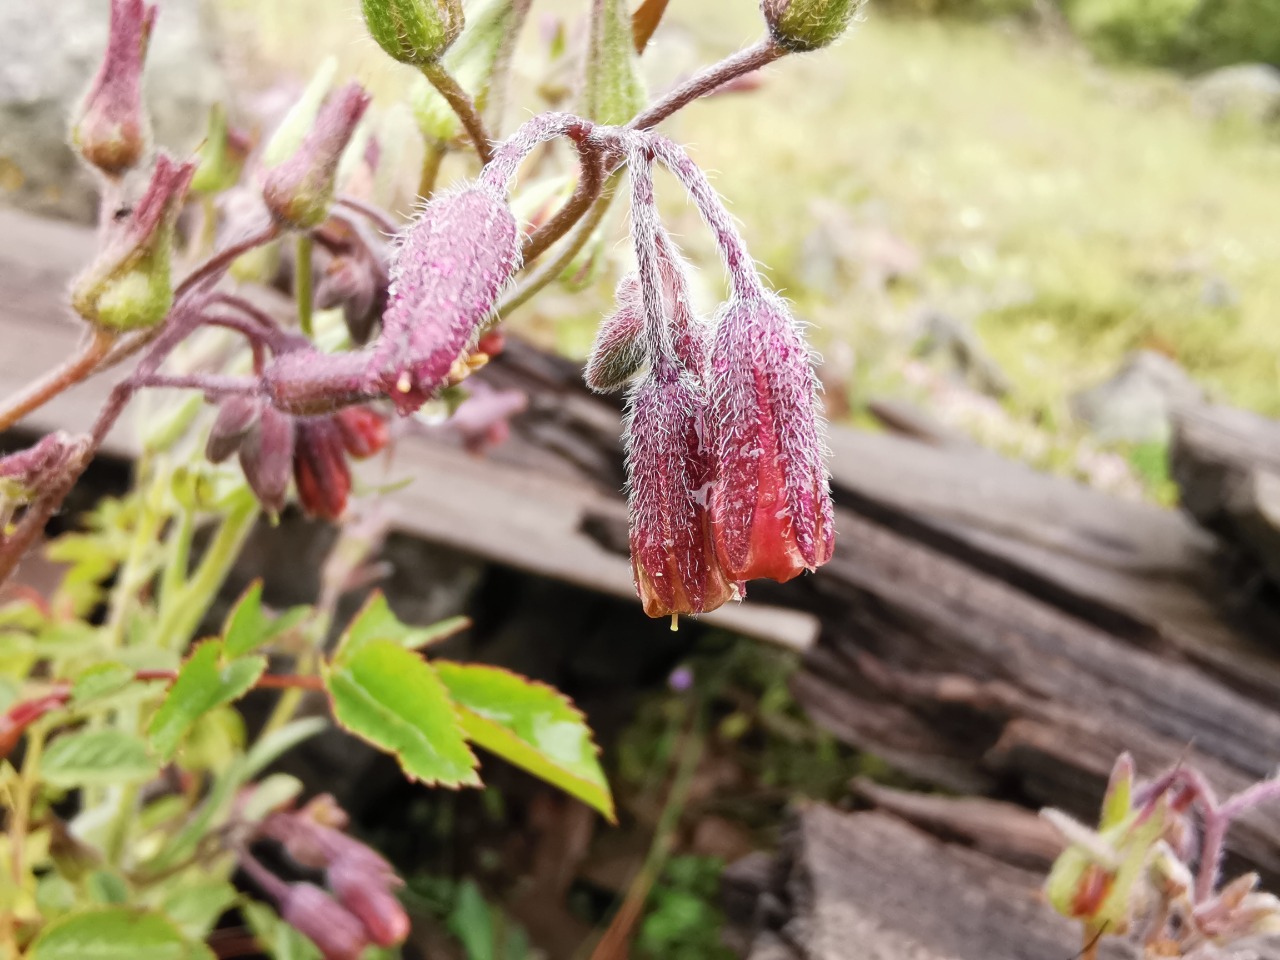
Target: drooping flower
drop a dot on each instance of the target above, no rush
(770, 505)
(320, 918)
(447, 272)
(111, 130)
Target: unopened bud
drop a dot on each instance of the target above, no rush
(337, 933)
(307, 382)
(619, 351)
(364, 432)
(129, 287)
(413, 31)
(221, 156)
(771, 507)
(320, 469)
(111, 131)
(353, 283)
(803, 25)
(298, 190)
(447, 272)
(266, 456)
(237, 415)
(366, 892)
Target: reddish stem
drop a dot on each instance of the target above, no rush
(66, 375)
(710, 79)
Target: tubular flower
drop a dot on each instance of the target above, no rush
(111, 131)
(446, 275)
(770, 506)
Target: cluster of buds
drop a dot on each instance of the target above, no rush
(313, 450)
(357, 908)
(1132, 875)
(725, 454)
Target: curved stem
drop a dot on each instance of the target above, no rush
(462, 104)
(217, 264)
(548, 272)
(68, 374)
(584, 195)
(710, 79)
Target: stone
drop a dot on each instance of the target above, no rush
(1137, 404)
(48, 54)
(1246, 91)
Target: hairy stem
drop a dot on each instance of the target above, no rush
(710, 79)
(218, 264)
(62, 377)
(432, 159)
(590, 182)
(462, 104)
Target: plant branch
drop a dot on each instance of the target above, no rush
(462, 104)
(709, 80)
(268, 681)
(590, 182)
(302, 283)
(60, 378)
(370, 212)
(217, 264)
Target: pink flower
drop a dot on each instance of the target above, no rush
(770, 506)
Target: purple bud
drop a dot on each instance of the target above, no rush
(112, 132)
(448, 269)
(356, 285)
(307, 382)
(770, 507)
(266, 456)
(321, 919)
(320, 468)
(673, 557)
(298, 190)
(237, 415)
(364, 432)
(25, 473)
(366, 892)
(128, 286)
(619, 351)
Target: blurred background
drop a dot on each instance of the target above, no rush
(1034, 226)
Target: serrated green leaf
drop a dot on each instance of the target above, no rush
(204, 682)
(96, 757)
(115, 933)
(392, 698)
(248, 627)
(195, 908)
(100, 680)
(530, 725)
(376, 621)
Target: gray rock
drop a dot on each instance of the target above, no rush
(1246, 91)
(1137, 404)
(48, 54)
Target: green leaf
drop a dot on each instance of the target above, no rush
(376, 621)
(100, 680)
(277, 938)
(392, 698)
(205, 681)
(196, 908)
(96, 757)
(530, 725)
(115, 933)
(248, 627)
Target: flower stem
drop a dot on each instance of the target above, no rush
(302, 283)
(217, 264)
(462, 105)
(431, 162)
(60, 378)
(700, 84)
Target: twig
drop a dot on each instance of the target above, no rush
(462, 104)
(60, 378)
(699, 85)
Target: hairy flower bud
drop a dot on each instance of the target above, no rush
(619, 351)
(320, 468)
(266, 456)
(128, 287)
(803, 25)
(365, 891)
(321, 919)
(299, 189)
(24, 474)
(308, 382)
(446, 274)
(111, 130)
(770, 507)
(359, 288)
(413, 31)
(673, 557)
(237, 415)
